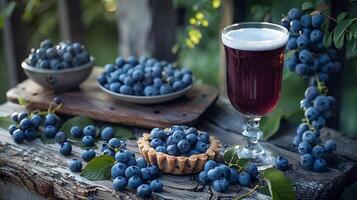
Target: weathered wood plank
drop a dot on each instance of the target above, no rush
(42, 170)
(89, 100)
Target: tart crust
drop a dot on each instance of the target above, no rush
(177, 165)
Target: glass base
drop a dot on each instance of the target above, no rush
(261, 156)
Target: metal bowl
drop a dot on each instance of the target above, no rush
(147, 99)
(59, 80)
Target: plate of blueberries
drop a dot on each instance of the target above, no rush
(145, 80)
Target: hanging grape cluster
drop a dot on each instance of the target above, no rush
(311, 60)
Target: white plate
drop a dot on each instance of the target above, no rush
(147, 99)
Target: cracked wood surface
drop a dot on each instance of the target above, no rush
(42, 170)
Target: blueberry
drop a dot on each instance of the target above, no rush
(161, 149)
(309, 137)
(192, 139)
(118, 169)
(304, 148)
(156, 142)
(220, 185)
(145, 174)
(305, 20)
(291, 63)
(57, 100)
(156, 185)
(295, 26)
(50, 131)
(297, 140)
(26, 123)
(88, 140)
(122, 156)
(305, 56)
(319, 123)
(154, 171)
(214, 174)
(119, 61)
(234, 178)
(51, 52)
(165, 89)
(318, 152)
(157, 133)
(311, 113)
(36, 120)
(193, 152)
(12, 128)
(285, 22)
(132, 171)
(109, 152)
(330, 145)
(76, 131)
(187, 79)
(14, 117)
(65, 149)
(60, 137)
(316, 36)
(320, 165)
(131, 162)
(84, 57)
(225, 171)
(203, 137)
(150, 91)
(51, 119)
(252, 170)
(302, 69)
(108, 68)
(302, 42)
(306, 161)
(210, 164)
(141, 162)
(46, 44)
(119, 183)
(115, 143)
(317, 20)
(244, 179)
(321, 103)
(134, 182)
(281, 163)
(132, 60)
(115, 87)
(18, 136)
(172, 150)
(30, 134)
(311, 93)
(125, 89)
(294, 13)
(107, 133)
(201, 147)
(203, 178)
(183, 146)
(89, 130)
(306, 32)
(138, 88)
(291, 44)
(75, 165)
(143, 191)
(305, 104)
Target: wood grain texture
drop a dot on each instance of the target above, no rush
(89, 100)
(42, 170)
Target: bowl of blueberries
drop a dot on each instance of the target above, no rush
(59, 67)
(145, 80)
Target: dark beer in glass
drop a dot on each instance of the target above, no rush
(254, 60)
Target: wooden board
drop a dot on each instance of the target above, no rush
(89, 100)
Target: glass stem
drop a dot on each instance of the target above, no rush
(253, 135)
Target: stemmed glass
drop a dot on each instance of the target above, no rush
(254, 60)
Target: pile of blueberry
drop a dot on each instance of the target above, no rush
(311, 57)
(129, 172)
(179, 140)
(25, 126)
(220, 176)
(144, 77)
(311, 60)
(62, 56)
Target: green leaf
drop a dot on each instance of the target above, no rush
(348, 35)
(22, 101)
(307, 6)
(354, 47)
(264, 190)
(121, 132)
(270, 124)
(5, 122)
(231, 158)
(327, 40)
(98, 168)
(342, 16)
(80, 121)
(339, 32)
(280, 187)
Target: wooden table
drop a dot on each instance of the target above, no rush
(36, 171)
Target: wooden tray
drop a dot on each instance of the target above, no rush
(89, 100)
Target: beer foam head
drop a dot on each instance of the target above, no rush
(255, 39)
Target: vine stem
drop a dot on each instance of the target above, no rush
(248, 193)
